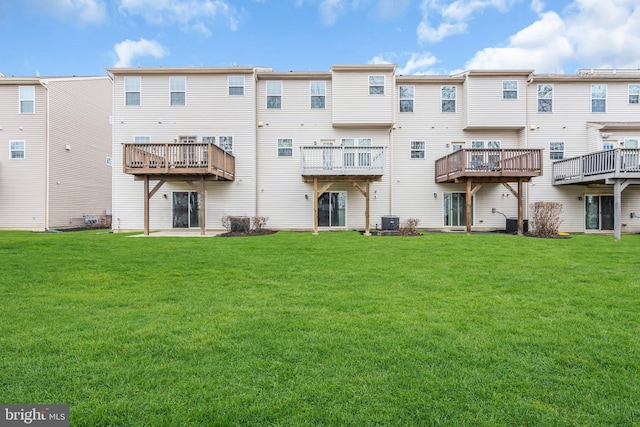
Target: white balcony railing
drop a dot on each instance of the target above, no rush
(342, 160)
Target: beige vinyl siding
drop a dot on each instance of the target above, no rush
(485, 107)
(352, 103)
(23, 181)
(209, 111)
(80, 142)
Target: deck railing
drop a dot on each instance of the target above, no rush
(490, 162)
(174, 158)
(618, 163)
(342, 160)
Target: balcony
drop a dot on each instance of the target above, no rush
(489, 165)
(343, 162)
(601, 166)
(174, 159)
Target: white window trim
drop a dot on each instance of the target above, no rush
(454, 99)
(632, 138)
(563, 151)
(229, 85)
(278, 148)
(202, 139)
(606, 90)
(538, 97)
(383, 84)
(23, 151)
(139, 91)
(517, 90)
(416, 150)
(323, 95)
(412, 99)
(630, 94)
(141, 136)
(171, 92)
(33, 88)
(266, 99)
(232, 142)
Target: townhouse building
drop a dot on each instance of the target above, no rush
(56, 171)
(357, 145)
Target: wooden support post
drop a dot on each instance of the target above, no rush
(315, 206)
(203, 206)
(146, 205)
(365, 192)
(520, 207)
(468, 208)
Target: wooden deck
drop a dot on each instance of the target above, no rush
(342, 163)
(599, 167)
(167, 160)
(489, 165)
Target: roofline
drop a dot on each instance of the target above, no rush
(295, 75)
(499, 73)
(583, 77)
(430, 79)
(181, 70)
(365, 67)
(19, 81)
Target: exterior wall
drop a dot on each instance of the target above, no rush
(352, 103)
(484, 106)
(23, 181)
(209, 111)
(80, 142)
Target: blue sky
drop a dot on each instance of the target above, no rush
(83, 37)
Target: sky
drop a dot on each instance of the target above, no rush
(85, 37)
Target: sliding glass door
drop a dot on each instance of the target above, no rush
(332, 208)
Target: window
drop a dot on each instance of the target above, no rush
(332, 209)
(477, 144)
(493, 144)
(545, 98)
(285, 147)
(376, 85)
(631, 143)
(226, 143)
(236, 85)
(418, 149)
(208, 139)
(351, 145)
(132, 91)
(634, 94)
(17, 149)
(406, 99)
(364, 155)
(318, 91)
(27, 99)
(108, 161)
(142, 139)
(509, 89)
(607, 146)
(477, 156)
(274, 95)
(178, 90)
(556, 150)
(455, 209)
(457, 146)
(598, 98)
(448, 99)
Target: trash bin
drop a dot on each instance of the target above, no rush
(512, 225)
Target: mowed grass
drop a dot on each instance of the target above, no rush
(337, 329)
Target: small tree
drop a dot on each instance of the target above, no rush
(545, 218)
(408, 226)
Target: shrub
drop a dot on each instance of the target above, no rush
(545, 218)
(243, 224)
(259, 222)
(408, 226)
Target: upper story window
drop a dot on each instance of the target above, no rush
(17, 149)
(178, 90)
(27, 99)
(493, 144)
(285, 147)
(406, 99)
(448, 99)
(598, 98)
(545, 98)
(318, 91)
(418, 149)
(509, 89)
(132, 90)
(376, 85)
(631, 143)
(634, 94)
(274, 95)
(556, 150)
(208, 139)
(477, 144)
(226, 143)
(236, 85)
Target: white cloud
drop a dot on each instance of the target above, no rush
(190, 13)
(419, 63)
(83, 12)
(452, 17)
(329, 10)
(127, 50)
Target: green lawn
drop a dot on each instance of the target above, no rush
(337, 329)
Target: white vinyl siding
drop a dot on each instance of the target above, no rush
(132, 90)
(27, 99)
